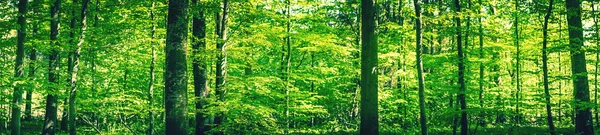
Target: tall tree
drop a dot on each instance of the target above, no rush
(32, 61)
(151, 83)
(50, 117)
(518, 65)
(583, 114)
(419, 53)
(369, 117)
(597, 58)
(461, 73)
(545, 68)
(18, 89)
(176, 68)
(288, 61)
(221, 30)
(76, 55)
(72, 30)
(199, 67)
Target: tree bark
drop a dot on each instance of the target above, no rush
(51, 115)
(545, 69)
(18, 89)
(461, 74)
(481, 67)
(221, 29)
(32, 62)
(288, 62)
(76, 55)
(421, 79)
(518, 65)
(369, 117)
(583, 120)
(597, 58)
(65, 114)
(199, 67)
(176, 68)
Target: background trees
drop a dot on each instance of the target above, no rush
(295, 66)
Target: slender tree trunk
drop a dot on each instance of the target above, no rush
(287, 67)
(93, 120)
(65, 114)
(481, 67)
(518, 71)
(461, 74)
(32, 62)
(51, 115)
(597, 58)
(421, 80)
(18, 89)
(151, 83)
(545, 69)
(560, 82)
(199, 67)
(369, 117)
(583, 120)
(176, 68)
(221, 29)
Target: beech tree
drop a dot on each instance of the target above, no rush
(176, 68)
(369, 116)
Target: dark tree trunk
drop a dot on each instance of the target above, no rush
(199, 67)
(50, 117)
(597, 58)
(421, 80)
(545, 69)
(369, 117)
(461, 74)
(583, 120)
(65, 114)
(176, 68)
(32, 60)
(18, 89)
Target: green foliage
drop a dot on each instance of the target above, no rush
(323, 85)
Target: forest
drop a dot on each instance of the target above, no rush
(303, 67)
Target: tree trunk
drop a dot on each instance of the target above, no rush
(461, 74)
(421, 80)
(76, 55)
(32, 60)
(481, 67)
(176, 68)
(221, 29)
(51, 115)
(369, 117)
(18, 89)
(597, 58)
(583, 120)
(560, 82)
(545, 69)
(65, 114)
(518, 70)
(199, 67)
(288, 61)
(151, 83)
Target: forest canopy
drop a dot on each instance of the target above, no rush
(364, 67)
